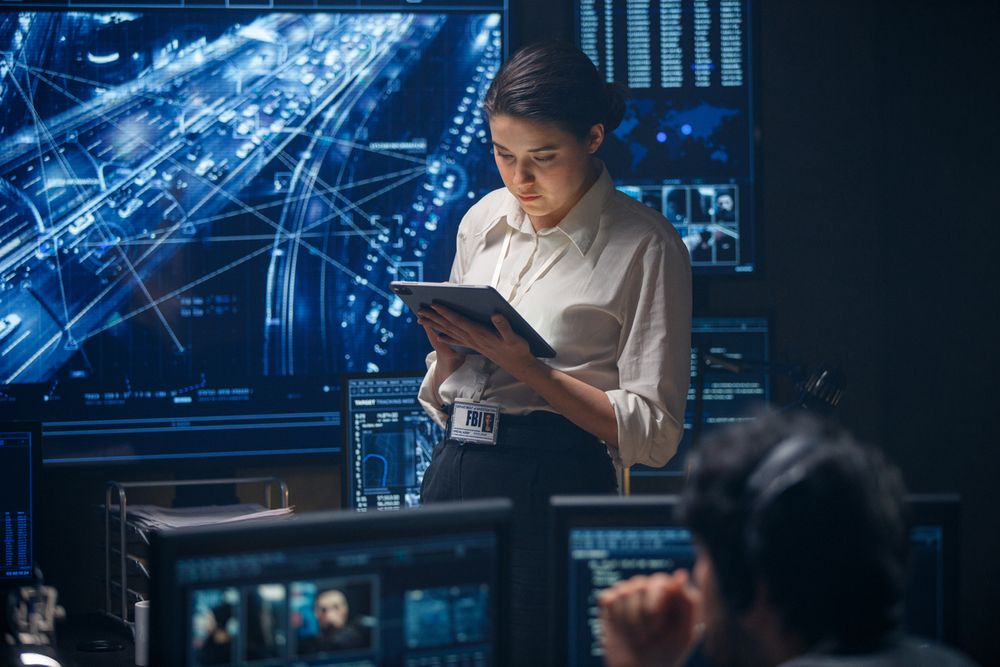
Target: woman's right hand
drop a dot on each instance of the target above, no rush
(448, 360)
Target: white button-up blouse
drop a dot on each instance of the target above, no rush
(614, 301)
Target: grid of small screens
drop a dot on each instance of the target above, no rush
(686, 144)
(201, 212)
(20, 453)
(725, 396)
(422, 587)
(598, 541)
(389, 441)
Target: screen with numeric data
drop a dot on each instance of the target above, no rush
(686, 144)
(600, 557)
(16, 503)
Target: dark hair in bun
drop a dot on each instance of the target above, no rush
(555, 82)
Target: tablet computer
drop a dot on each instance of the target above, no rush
(476, 302)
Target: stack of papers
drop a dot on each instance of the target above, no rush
(154, 517)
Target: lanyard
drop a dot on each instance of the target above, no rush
(486, 367)
(505, 248)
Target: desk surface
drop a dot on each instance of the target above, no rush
(80, 628)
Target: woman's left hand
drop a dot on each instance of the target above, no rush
(501, 345)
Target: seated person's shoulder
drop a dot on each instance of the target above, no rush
(907, 652)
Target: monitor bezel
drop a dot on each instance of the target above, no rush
(568, 512)
(333, 528)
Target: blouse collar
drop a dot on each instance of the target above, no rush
(581, 224)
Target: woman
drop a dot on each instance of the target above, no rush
(603, 278)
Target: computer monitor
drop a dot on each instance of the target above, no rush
(596, 542)
(932, 590)
(686, 145)
(726, 396)
(425, 586)
(20, 463)
(389, 440)
(202, 207)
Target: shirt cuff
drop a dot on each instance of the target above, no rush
(647, 435)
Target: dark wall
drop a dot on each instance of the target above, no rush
(879, 199)
(939, 241)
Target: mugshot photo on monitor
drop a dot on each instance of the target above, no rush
(334, 615)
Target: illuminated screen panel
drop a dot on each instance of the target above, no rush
(726, 397)
(390, 440)
(420, 587)
(19, 443)
(601, 556)
(201, 211)
(376, 603)
(686, 144)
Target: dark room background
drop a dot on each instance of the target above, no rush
(878, 209)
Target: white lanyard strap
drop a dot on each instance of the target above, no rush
(555, 257)
(503, 255)
(505, 248)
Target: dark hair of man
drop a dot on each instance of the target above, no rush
(825, 532)
(555, 82)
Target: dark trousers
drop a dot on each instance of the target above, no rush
(538, 455)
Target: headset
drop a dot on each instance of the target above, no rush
(808, 473)
(787, 466)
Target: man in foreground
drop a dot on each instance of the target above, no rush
(802, 542)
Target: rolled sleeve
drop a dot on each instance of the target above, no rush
(654, 361)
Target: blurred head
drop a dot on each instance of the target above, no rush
(217, 618)
(331, 609)
(793, 517)
(549, 110)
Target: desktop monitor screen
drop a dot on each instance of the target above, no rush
(726, 396)
(421, 587)
(596, 542)
(931, 605)
(389, 441)
(201, 211)
(20, 462)
(686, 144)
